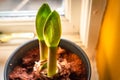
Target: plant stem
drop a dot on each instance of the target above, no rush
(52, 62)
(43, 50)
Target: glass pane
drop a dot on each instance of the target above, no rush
(30, 5)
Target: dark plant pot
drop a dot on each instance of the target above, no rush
(17, 55)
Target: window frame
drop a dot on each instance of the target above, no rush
(97, 14)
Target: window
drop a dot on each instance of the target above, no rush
(19, 15)
(77, 16)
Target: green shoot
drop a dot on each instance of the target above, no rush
(52, 34)
(41, 17)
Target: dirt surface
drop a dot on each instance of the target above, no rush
(71, 67)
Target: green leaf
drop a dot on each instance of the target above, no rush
(52, 30)
(41, 17)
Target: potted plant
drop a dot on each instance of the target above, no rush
(48, 57)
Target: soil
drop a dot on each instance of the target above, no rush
(72, 67)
